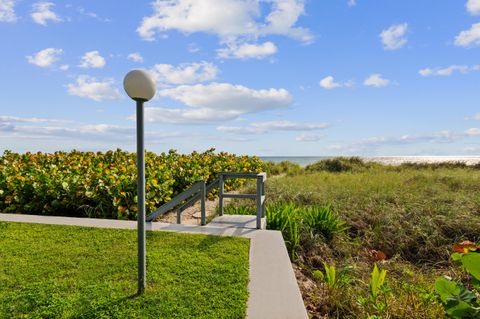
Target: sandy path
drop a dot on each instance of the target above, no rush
(192, 215)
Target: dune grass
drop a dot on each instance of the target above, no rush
(411, 213)
(76, 272)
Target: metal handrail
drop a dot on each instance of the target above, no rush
(259, 197)
(193, 190)
(199, 191)
(195, 198)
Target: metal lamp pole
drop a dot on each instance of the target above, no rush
(142, 268)
(140, 86)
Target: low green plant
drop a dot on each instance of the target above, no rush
(339, 165)
(294, 221)
(278, 215)
(285, 217)
(284, 167)
(333, 278)
(323, 221)
(376, 288)
(459, 301)
(378, 279)
(330, 275)
(239, 210)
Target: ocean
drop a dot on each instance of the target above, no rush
(387, 160)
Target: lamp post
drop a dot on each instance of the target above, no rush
(140, 86)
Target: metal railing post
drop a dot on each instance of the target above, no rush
(220, 194)
(259, 202)
(263, 195)
(203, 195)
(179, 216)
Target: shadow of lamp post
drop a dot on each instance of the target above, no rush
(140, 86)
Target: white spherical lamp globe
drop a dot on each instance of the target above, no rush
(139, 85)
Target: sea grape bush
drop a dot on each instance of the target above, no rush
(462, 301)
(104, 184)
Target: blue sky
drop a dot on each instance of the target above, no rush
(264, 77)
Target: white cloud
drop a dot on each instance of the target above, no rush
(64, 67)
(193, 48)
(89, 87)
(76, 131)
(248, 51)
(226, 18)
(290, 126)
(282, 20)
(240, 130)
(393, 38)
(216, 102)
(229, 97)
(376, 80)
(233, 21)
(436, 137)
(378, 141)
(188, 115)
(41, 13)
(7, 12)
(309, 138)
(473, 7)
(135, 57)
(265, 127)
(440, 137)
(329, 83)
(469, 37)
(472, 132)
(184, 73)
(92, 59)
(449, 70)
(475, 117)
(92, 15)
(6, 118)
(352, 3)
(45, 58)
(472, 149)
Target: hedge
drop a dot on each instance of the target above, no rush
(103, 185)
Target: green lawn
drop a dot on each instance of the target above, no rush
(77, 272)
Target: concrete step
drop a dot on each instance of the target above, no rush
(236, 221)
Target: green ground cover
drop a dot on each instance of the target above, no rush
(405, 219)
(76, 272)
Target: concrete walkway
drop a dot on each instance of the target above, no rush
(273, 289)
(237, 221)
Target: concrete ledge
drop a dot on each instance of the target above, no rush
(236, 221)
(273, 289)
(127, 224)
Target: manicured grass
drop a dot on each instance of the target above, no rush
(76, 272)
